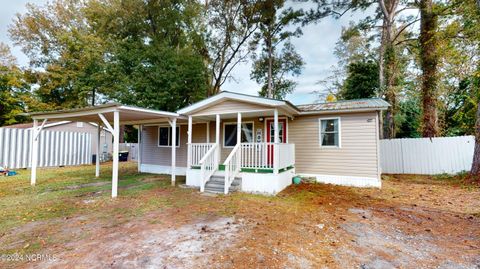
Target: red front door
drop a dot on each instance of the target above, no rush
(282, 135)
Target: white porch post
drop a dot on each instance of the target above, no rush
(116, 137)
(276, 141)
(239, 141)
(99, 143)
(34, 157)
(189, 143)
(217, 136)
(239, 128)
(174, 147)
(139, 149)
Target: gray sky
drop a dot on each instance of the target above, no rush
(316, 46)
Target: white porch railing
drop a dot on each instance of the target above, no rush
(284, 156)
(197, 151)
(255, 155)
(267, 155)
(208, 166)
(232, 166)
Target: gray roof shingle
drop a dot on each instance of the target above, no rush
(373, 103)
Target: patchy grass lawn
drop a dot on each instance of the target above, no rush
(69, 218)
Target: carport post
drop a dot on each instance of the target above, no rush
(97, 158)
(174, 148)
(116, 137)
(35, 137)
(139, 149)
(189, 143)
(33, 177)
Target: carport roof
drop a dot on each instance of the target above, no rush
(128, 114)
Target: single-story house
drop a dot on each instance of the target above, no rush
(234, 141)
(106, 141)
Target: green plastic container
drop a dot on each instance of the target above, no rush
(297, 180)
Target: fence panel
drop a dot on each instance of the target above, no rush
(55, 148)
(427, 156)
(132, 149)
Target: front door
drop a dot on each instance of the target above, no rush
(282, 135)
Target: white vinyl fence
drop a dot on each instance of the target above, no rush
(132, 149)
(427, 156)
(55, 148)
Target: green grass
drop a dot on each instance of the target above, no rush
(59, 193)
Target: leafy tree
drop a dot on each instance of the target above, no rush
(275, 30)
(147, 53)
(63, 51)
(155, 51)
(469, 19)
(13, 89)
(286, 63)
(390, 29)
(231, 27)
(354, 45)
(408, 119)
(361, 82)
(460, 115)
(392, 67)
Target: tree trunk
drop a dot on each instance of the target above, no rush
(475, 171)
(121, 138)
(429, 62)
(391, 88)
(93, 96)
(388, 63)
(381, 79)
(270, 66)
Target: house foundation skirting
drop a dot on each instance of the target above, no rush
(353, 181)
(162, 169)
(266, 183)
(262, 183)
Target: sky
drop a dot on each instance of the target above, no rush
(316, 46)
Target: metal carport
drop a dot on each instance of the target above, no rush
(106, 115)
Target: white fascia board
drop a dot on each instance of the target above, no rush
(73, 114)
(54, 124)
(150, 111)
(228, 95)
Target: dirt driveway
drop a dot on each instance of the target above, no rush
(412, 222)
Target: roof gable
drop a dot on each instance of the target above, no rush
(243, 98)
(229, 106)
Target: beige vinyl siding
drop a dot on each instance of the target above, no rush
(152, 154)
(357, 155)
(230, 106)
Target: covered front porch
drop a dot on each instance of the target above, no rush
(249, 145)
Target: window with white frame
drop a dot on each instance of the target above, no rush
(330, 132)
(165, 136)
(230, 133)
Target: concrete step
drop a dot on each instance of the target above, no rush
(220, 191)
(216, 184)
(221, 180)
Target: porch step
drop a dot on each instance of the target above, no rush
(216, 184)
